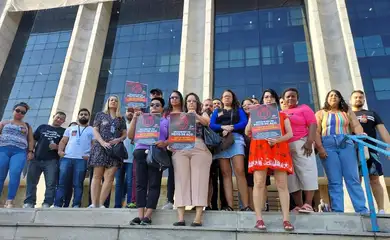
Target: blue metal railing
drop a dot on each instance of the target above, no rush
(359, 139)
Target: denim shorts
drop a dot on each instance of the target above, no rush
(238, 148)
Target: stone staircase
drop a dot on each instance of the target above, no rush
(113, 224)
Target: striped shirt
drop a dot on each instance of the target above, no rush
(14, 135)
(335, 123)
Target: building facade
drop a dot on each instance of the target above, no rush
(64, 59)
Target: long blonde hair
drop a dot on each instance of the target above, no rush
(106, 109)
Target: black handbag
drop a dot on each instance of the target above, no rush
(118, 151)
(211, 138)
(158, 158)
(228, 140)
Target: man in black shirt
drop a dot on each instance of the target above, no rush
(47, 138)
(371, 123)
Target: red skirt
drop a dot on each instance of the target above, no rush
(264, 157)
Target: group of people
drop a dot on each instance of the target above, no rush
(65, 155)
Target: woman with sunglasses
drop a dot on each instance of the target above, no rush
(175, 105)
(148, 178)
(271, 156)
(16, 145)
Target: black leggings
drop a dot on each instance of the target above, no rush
(148, 181)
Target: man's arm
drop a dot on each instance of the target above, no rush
(62, 145)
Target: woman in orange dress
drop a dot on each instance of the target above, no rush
(271, 156)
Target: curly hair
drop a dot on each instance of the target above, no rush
(343, 106)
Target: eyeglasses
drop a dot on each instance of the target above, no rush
(157, 105)
(20, 111)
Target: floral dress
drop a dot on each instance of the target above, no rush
(262, 156)
(109, 129)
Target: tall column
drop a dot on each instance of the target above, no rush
(9, 23)
(196, 55)
(80, 73)
(333, 48)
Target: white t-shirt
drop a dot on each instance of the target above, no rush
(79, 144)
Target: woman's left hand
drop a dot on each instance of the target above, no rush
(115, 141)
(30, 156)
(272, 141)
(161, 144)
(307, 149)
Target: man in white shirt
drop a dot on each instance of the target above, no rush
(124, 176)
(74, 150)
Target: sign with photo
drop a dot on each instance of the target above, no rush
(147, 130)
(265, 121)
(136, 95)
(182, 131)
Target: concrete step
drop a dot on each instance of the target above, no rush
(107, 224)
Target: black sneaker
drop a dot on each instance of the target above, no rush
(146, 221)
(208, 209)
(135, 221)
(228, 208)
(247, 209)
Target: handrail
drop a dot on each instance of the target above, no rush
(359, 139)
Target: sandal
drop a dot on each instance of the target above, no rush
(288, 226)
(260, 225)
(296, 209)
(306, 208)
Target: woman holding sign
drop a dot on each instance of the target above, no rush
(230, 121)
(270, 155)
(148, 178)
(192, 167)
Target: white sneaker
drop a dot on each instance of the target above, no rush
(91, 206)
(45, 205)
(28, 205)
(167, 206)
(102, 206)
(381, 212)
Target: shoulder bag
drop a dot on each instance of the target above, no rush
(158, 158)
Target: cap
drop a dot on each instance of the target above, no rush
(156, 90)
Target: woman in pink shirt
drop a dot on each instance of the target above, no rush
(304, 127)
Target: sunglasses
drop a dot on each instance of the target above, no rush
(157, 105)
(20, 111)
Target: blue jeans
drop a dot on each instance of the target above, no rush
(50, 171)
(342, 162)
(12, 159)
(123, 184)
(71, 167)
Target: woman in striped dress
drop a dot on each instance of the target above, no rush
(338, 154)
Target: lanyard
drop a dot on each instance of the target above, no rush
(81, 133)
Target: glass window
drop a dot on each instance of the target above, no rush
(148, 44)
(259, 48)
(36, 78)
